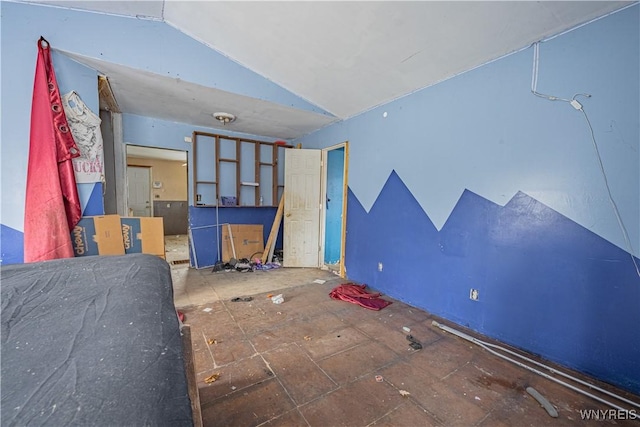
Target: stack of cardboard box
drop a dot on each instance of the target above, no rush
(116, 235)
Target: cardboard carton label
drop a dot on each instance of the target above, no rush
(97, 235)
(143, 235)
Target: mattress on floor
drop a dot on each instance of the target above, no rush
(91, 341)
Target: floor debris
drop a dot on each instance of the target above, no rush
(319, 281)
(212, 341)
(414, 343)
(207, 310)
(307, 338)
(212, 378)
(243, 299)
(404, 393)
(543, 402)
(379, 378)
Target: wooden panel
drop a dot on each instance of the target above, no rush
(227, 157)
(267, 256)
(107, 99)
(190, 371)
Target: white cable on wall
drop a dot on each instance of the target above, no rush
(575, 104)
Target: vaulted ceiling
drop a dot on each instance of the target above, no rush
(344, 57)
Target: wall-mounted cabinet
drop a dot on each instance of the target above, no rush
(233, 171)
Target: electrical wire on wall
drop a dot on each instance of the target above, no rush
(575, 104)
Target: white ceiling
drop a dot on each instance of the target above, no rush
(148, 94)
(345, 57)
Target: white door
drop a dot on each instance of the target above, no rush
(302, 208)
(139, 190)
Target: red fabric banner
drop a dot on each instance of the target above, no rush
(52, 205)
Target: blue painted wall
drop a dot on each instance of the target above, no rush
(11, 245)
(476, 183)
(128, 41)
(19, 42)
(546, 284)
(502, 189)
(333, 223)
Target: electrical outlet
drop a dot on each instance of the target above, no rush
(379, 266)
(474, 294)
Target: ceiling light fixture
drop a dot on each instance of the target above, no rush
(224, 118)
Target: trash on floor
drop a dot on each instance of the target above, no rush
(307, 338)
(414, 343)
(356, 294)
(379, 378)
(404, 393)
(241, 299)
(266, 266)
(211, 341)
(319, 281)
(212, 378)
(406, 329)
(277, 299)
(242, 265)
(543, 402)
(207, 310)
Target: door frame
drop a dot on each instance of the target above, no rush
(323, 210)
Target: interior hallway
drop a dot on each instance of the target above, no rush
(313, 361)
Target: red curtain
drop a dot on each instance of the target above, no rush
(52, 205)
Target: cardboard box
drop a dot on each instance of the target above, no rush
(143, 235)
(98, 235)
(247, 240)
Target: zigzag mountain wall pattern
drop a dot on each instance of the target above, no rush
(546, 284)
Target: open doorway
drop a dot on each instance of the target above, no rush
(157, 185)
(334, 194)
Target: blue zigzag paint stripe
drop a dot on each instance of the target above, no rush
(546, 284)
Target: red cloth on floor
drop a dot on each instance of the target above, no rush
(356, 294)
(52, 205)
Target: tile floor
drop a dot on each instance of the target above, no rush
(313, 361)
